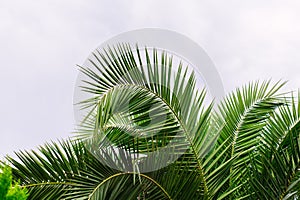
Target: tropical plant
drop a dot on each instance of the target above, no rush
(7, 190)
(149, 134)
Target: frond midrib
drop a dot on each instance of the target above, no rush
(291, 177)
(290, 128)
(48, 184)
(130, 173)
(240, 123)
(200, 167)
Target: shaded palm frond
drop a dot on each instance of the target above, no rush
(49, 173)
(151, 104)
(148, 134)
(279, 175)
(243, 116)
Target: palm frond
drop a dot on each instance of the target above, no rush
(243, 116)
(148, 134)
(143, 86)
(279, 175)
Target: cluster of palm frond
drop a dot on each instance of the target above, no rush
(150, 135)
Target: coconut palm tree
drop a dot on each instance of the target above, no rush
(149, 134)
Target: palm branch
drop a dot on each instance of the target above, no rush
(148, 134)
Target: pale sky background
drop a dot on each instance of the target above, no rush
(42, 41)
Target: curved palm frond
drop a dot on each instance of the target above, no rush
(47, 173)
(68, 171)
(140, 88)
(279, 175)
(243, 116)
(148, 134)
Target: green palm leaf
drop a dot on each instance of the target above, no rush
(280, 173)
(138, 86)
(148, 134)
(245, 114)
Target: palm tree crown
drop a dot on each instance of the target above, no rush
(149, 134)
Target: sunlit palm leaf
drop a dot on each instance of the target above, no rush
(141, 87)
(280, 173)
(148, 134)
(244, 114)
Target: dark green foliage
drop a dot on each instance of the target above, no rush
(247, 148)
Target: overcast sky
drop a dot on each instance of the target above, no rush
(42, 41)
